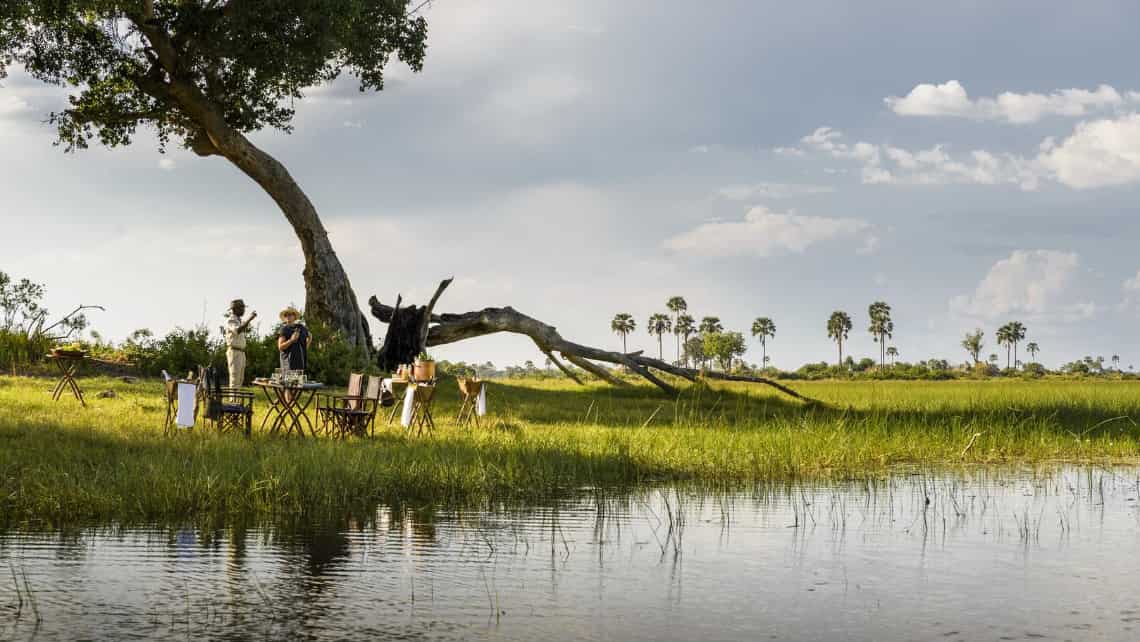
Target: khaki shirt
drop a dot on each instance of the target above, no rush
(235, 337)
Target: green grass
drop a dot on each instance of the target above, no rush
(61, 464)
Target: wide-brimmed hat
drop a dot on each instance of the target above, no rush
(236, 302)
(290, 311)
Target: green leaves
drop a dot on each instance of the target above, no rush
(250, 60)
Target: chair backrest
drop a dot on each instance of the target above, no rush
(355, 383)
(372, 391)
(470, 387)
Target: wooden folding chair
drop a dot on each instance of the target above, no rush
(469, 389)
(338, 412)
(422, 396)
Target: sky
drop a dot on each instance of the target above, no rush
(970, 163)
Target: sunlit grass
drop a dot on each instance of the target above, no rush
(60, 463)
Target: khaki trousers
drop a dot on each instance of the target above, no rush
(236, 361)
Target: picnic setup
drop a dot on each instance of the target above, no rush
(295, 405)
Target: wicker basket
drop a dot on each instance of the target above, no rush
(423, 370)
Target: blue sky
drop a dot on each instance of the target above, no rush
(970, 163)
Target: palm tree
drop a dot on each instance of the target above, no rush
(838, 325)
(892, 352)
(1005, 338)
(659, 325)
(677, 305)
(1016, 335)
(711, 325)
(1116, 362)
(1032, 348)
(683, 327)
(881, 327)
(623, 324)
(763, 329)
(973, 343)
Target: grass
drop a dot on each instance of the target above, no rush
(61, 464)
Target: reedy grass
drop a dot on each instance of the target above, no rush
(61, 464)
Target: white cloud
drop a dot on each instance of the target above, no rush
(771, 190)
(167, 163)
(766, 233)
(889, 165)
(950, 99)
(1097, 154)
(1037, 285)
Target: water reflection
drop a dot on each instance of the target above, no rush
(975, 554)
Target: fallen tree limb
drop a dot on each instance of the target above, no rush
(450, 328)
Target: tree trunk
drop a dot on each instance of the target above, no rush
(329, 297)
(328, 294)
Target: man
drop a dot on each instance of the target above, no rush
(236, 329)
(293, 341)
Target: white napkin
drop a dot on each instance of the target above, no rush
(186, 394)
(409, 403)
(481, 401)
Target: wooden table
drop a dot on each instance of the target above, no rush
(287, 406)
(68, 364)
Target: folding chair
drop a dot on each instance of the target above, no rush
(422, 396)
(351, 413)
(470, 389)
(180, 393)
(328, 406)
(229, 408)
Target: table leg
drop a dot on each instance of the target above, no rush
(303, 412)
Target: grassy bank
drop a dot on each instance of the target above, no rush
(60, 463)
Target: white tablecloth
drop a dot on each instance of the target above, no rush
(409, 403)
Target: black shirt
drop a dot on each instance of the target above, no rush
(296, 355)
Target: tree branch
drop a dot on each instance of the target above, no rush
(450, 328)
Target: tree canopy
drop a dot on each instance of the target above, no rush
(186, 66)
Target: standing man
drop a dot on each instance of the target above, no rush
(236, 329)
(293, 340)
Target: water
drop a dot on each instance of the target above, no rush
(976, 555)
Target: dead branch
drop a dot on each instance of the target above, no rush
(450, 328)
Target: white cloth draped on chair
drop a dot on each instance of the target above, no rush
(481, 401)
(409, 404)
(187, 395)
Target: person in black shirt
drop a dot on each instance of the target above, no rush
(293, 341)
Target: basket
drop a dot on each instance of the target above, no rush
(423, 370)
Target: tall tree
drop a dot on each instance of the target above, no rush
(881, 327)
(623, 324)
(1016, 336)
(206, 73)
(974, 342)
(678, 306)
(893, 353)
(659, 325)
(838, 325)
(763, 329)
(1116, 361)
(1005, 338)
(711, 325)
(1032, 348)
(684, 327)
